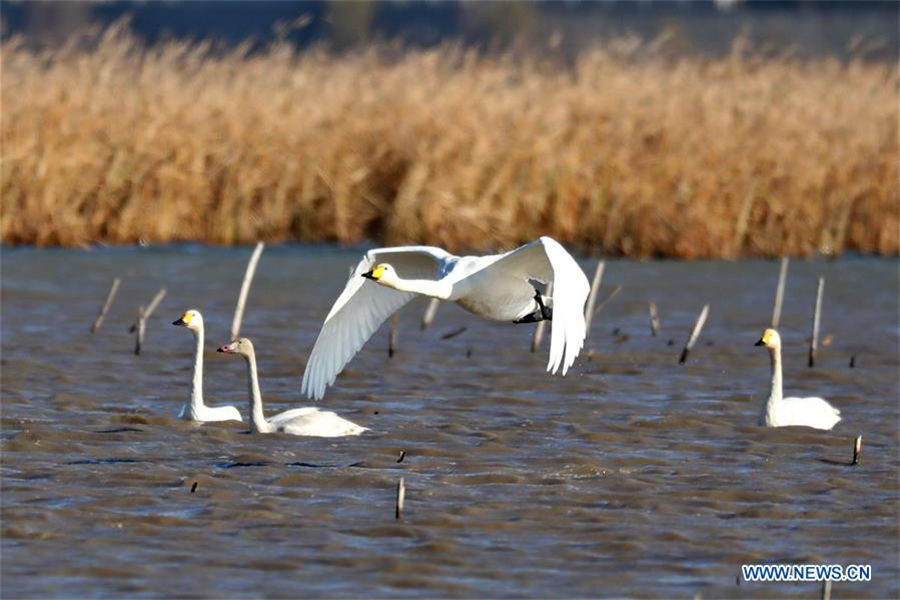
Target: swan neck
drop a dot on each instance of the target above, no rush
(775, 394)
(257, 419)
(197, 381)
(436, 289)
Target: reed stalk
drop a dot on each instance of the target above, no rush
(245, 290)
(817, 319)
(621, 146)
(592, 297)
(779, 293)
(695, 333)
(109, 300)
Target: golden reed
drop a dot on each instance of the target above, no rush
(622, 148)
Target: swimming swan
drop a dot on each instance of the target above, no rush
(308, 420)
(196, 410)
(496, 287)
(782, 412)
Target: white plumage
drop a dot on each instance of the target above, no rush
(196, 410)
(496, 287)
(783, 412)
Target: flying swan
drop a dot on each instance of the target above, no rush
(782, 412)
(497, 287)
(196, 410)
(309, 420)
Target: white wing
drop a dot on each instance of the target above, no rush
(362, 307)
(545, 260)
(291, 414)
(812, 412)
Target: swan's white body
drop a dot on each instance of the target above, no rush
(196, 410)
(496, 287)
(308, 421)
(783, 412)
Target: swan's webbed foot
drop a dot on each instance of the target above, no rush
(543, 313)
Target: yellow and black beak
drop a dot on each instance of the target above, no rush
(760, 342)
(180, 322)
(375, 273)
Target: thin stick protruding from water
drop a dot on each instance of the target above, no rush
(155, 302)
(392, 337)
(857, 449)
(698, 326)
(539, 330)
(592, 297)
(430, 311)
(109, 300)
(401, 496)
(245, 290)
(826, 589)
(654, 320)
(150, 308)
(453, 333)
(779, 293)
(140, 325)
(608, 298)
(817, 316)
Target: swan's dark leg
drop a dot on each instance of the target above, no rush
(546, 312)
(543, 313)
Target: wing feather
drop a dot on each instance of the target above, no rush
(362, 307)
(546, 260)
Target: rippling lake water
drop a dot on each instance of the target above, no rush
(631, 476)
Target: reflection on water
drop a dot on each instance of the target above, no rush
(630, 476)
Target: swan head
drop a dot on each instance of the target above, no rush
(241, 346)
(383, 274)
(192, 319)
(769, 339)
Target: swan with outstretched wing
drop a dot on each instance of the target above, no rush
(496, 287)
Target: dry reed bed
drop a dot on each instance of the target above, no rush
(639, 153)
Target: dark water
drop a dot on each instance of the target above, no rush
(632, 476)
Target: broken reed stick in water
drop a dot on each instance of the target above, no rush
(539, 329)
(139, 326)
(615, 291)
(402, 456)
(392, 337)
(194, 487)
(155, 302)
(654, 320)
(817, 315)
(453, 333)
(779, 293)
(698, 326)
(826, 589)
(401, 496)
(430, 311)
(592, 297)
(857, 449)
(109, 300)
(150, 307)
(245, 290)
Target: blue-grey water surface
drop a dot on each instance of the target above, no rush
(631, 476)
